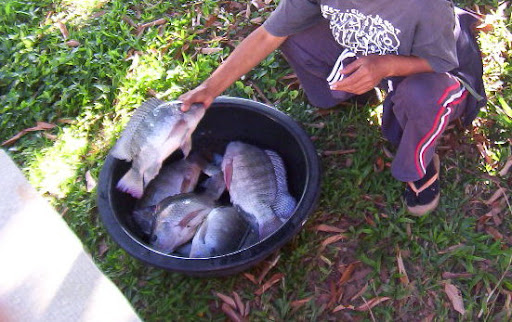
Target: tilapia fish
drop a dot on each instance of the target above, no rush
(220, 233)
(256, 181)
(177, 220)
(174, 178)
(154, 132)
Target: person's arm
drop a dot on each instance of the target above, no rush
(365, 73)
(249, 53)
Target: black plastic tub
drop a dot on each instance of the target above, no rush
(228, 119)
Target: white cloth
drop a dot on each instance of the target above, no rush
(45, 274)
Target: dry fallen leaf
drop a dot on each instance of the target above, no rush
(329, 229)
(257, 20)
(358, 294)
(379, 165)
(365, 307)
(496, 195)
(271, 281)
(129, 21)
(343, 307)
(40, 126)
(372, 303)
(347, 273)
(153, 23)
(98, 14)
(49, 136)
(102, 248)
(251, 278)
(267, 268)
(63, 29)
(226, 299)
(239, 304)
(73, 43)
(339, 152)
(450, 249)
(208, 51)
(235, 317)
(494, 233)
(455, 297)
(507, 167)
(299, 303)
(319, 125)
(449, 275)
(258, 4)
(404, 279)
(331, 240)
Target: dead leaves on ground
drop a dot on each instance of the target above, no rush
(234, 307)
(351, 283)
(367, 306)
(40, 126)
(491, 221)
(138, 29)
(455, 297)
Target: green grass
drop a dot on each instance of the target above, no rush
(90, 91)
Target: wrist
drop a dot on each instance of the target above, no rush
(388, 66)
(212, 87)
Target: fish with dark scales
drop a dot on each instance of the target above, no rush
(177, 220)
(220, 233)
(174, 178)
(155, 131)
(256, 181)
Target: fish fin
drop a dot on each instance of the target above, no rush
(185, 185)
(268, 227)
(184, 222)
(121, 150)
(279, 170)
(202, 231)
(198, 242)
(197, 159)
(132, 183)
(284, 203)
(151, 173)
(228, 172)
(284, 206)
(214, 186)
(211, 170)
(186, 145)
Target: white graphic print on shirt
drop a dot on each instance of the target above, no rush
(362, 34)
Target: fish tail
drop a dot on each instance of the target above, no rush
(132, 183)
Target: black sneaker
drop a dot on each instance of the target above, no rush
(422, 196)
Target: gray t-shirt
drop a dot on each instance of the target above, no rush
(423, 28)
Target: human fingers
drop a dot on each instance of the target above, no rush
(352, 67)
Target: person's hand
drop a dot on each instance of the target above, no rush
(363, 74)
(199, 95)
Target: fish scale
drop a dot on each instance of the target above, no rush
(253, 185)
(154, 132)
(177, 220)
